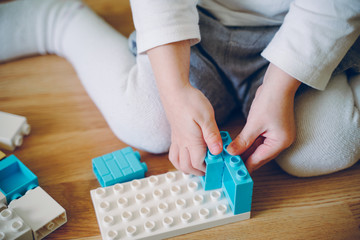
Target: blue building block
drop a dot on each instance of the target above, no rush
(119, 166)
(214, 171)
(237, 184)
(15, 178)
(215, 166)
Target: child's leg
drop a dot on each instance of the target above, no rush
(122, 86)
(328, 130)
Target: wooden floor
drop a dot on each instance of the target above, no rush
(68, 131)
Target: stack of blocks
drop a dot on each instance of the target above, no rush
(174, 203)
(27, 212)
(230, 173)
(119, 166)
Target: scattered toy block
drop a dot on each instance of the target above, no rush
(15, 178)
(119, 166)
(13, 227)
(40, 211)
(159, 207)
(12, 130)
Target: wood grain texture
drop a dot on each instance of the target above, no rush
(68, 131)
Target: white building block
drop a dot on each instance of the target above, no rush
(40, 211)
(160, 206)
(13, 227)
(12, 129)
(3, 202)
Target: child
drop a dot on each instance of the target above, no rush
(304, 41)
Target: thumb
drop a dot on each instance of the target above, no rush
(212, 137)
(243, 141)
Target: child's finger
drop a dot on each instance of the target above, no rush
(212, 137)
(243, 141)
(263, 154)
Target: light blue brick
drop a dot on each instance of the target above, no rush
(15, 178)
(123, 165)
(237, 184)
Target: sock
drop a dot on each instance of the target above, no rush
(122, 86)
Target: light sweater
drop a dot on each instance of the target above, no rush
(313, 38)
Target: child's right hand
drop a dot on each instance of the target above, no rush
(190, 114)
(193, 128)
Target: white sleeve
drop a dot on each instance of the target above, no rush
(159, 22)
(313, 39)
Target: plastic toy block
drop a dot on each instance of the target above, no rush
(237, 184)
(214, 171)
(3, 202)
(12, 129)
(15, 178)
(159, 207)
(2, 155)
(38, 209)
(13, 227)
(119, 166)
(215, 166)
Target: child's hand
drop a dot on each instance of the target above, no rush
(193, 128)
(191, 116)
(270, 127)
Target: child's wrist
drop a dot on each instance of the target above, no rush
(280, 82)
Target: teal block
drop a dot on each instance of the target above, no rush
(15, 178)
(237, 184)
(215, 166)
(119, 166)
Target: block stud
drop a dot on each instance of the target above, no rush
(140, 198)
(175, 190)
(163, 207)
(235, 161)
(180, 203)
(108, 220)
(111, 235)
(215, 195)
(118, 189)
(131, 230)
(17, 226)
(170, 177)
(158, 193)
(149, 226)
(221, 209)
(193, 186)
(241, 173)
(198, 199)
(135, 184)
(122, 202)
(204, 213)
(145, 211)
(100, 193)
(168, 221)
(186, 217)
(105, 206)
(6, 214)
(126, 216)
(153, 180)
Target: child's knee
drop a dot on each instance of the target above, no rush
(327, 132)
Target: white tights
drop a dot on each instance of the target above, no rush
(123, 87)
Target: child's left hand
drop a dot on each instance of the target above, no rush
(270, 127)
